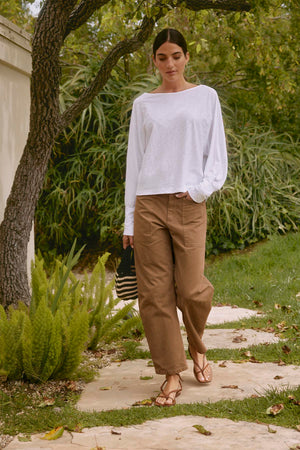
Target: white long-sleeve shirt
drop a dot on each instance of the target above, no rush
(176, 144)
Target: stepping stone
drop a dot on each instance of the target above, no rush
(120, 385)
(176, 433)
(221, 314)
(228, 338)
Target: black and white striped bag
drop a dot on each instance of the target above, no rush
(125, 280)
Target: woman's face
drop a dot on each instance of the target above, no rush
(170, 61)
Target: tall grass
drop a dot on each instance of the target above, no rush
(84, 186)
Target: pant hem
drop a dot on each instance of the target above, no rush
(172, 372)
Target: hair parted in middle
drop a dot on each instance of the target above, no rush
(169, 35)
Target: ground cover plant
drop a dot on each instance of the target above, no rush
(66, 316)
(271, 267)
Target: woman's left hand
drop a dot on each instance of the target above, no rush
(184, 195)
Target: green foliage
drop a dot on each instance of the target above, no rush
(261, 194)
(65, 317)
(86, 181)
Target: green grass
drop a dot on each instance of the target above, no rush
(264, 278)
(18, 412)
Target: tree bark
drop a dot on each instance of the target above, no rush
(56, 19)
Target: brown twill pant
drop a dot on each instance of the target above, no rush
(169, 245)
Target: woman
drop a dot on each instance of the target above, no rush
(176, 159)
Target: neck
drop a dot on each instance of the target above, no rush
(178, 85)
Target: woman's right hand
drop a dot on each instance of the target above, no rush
(127, 240)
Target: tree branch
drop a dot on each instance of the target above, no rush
(131, 45)
(229, 5)
(82, 13)
(120, 49)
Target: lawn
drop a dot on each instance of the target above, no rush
(266, 277)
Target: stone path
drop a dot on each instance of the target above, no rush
(120, 386)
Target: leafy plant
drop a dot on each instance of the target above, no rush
(65, 317)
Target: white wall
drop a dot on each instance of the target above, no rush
(15, 71)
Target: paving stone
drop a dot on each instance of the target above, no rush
(229, 338)
(175, 433)
(120, 385)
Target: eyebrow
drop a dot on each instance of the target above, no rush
(175, 53)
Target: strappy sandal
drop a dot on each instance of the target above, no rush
(200, 370)
(166, 396)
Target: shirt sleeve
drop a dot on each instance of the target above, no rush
(214, 158)
(135, 152)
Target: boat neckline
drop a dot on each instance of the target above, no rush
(174, 92)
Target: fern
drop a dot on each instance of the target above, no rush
(79, 326)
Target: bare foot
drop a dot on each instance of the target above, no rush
(202, 369)
(170, 389)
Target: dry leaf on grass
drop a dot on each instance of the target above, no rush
(286, 349)
(275, 409)
(202, 430)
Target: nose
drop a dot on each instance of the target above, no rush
(169, 63)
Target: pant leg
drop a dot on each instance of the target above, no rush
(155, 276)
(194, 292)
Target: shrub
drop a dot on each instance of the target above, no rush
(65, 317)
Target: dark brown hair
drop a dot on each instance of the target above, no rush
(169, 35)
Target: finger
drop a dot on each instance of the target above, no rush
(131, 241)
(181, 195)
(125, 242)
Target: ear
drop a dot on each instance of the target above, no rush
(154, 60)
(187, 57)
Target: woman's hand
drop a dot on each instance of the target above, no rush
(127, 240)
(184, 195)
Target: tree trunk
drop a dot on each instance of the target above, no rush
(29, 178)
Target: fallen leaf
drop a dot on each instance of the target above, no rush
(146, 378)
(223, 364)
(254, 396)
(275, 409)
(146, 402)
(54, 434)
(295, 327)
(230, 386)
(278, 377)
(238, 339)
(298, 427)
(46, 402)
(254, 360)
(105, 388)
(293, 399)
(116, 432)
(281, 363)
(277, 306)
(295, 447)
(257, 303)
(298, 295)
(202, 430)
(24, 438)
(286, 349)
(248, 354)
(271, 430)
